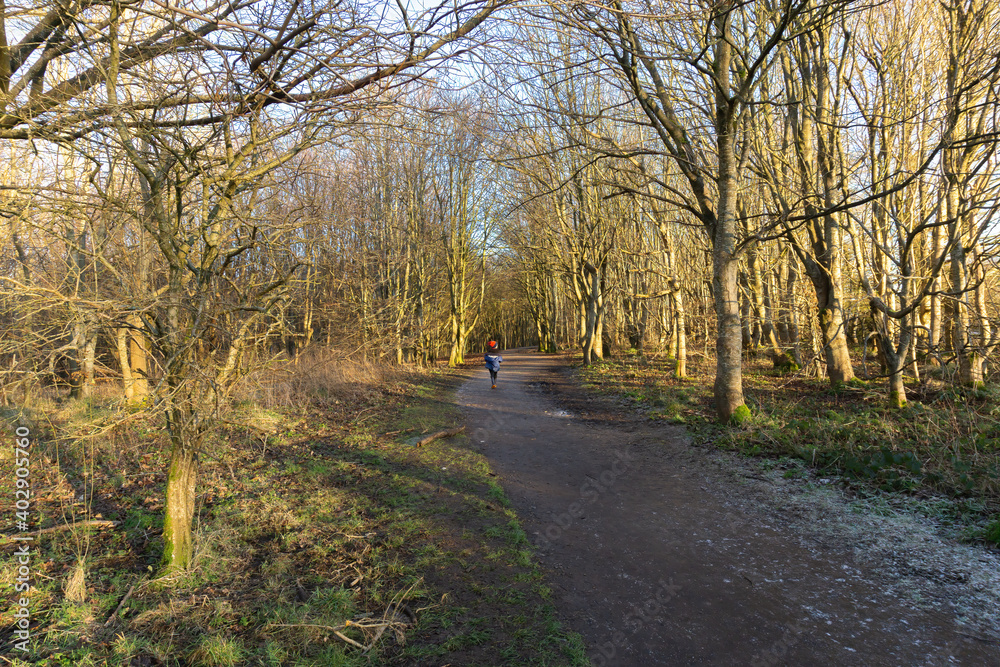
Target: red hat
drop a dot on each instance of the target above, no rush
(492, 344)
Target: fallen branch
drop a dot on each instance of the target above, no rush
(351, 641)
(96, 523)
(364, 625)
(440, 434)
(372, 629)
(122, 603)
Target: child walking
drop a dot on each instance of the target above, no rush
(492, 361)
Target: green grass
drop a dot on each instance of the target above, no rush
(216, 651)
(333, 525)
(945, 442)
(991, 533)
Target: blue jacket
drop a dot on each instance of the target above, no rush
(493, 361)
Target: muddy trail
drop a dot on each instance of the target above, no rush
(659, 556)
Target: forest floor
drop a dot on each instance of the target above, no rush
(324, 537)
(660, 551)
(575, 522)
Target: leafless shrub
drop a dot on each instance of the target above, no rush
(317, 375)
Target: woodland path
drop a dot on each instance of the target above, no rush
(653, 563)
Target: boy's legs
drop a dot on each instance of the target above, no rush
(493, 377)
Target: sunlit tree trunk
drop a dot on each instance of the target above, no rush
(680, 326)
(593, 350)
(936, 311)
(815, 138)
(725, 262)
(138, 359)
(178, 538)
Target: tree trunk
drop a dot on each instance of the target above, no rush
(897, 391)
(80, 362)
(178, 540)
(894, 361)
(936, 312)
(838, 356)
(967, 363)
(767, 303)
(643, 325)
(680, 352)
(599, 343)
(794, 337)
(783, 295)
(593, 349)
(121, 346)
(816, 347)
(746, 314)
(138, 359)
(87, 361)
(831, 313)
(458, 335)
(728, 387)
(553, 312)
(762, 329)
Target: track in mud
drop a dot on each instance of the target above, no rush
(653, 564)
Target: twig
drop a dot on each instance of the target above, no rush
(337, 630)
(122, 603)
(378, 635)
(350, 641)
(364, 624)
(440, 434)
(306, 625)
(357, 417)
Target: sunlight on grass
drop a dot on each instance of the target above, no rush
(946, 441)
(298, 537)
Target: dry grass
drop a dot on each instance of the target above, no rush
(76, 585)
(316, 516)
(316, 375)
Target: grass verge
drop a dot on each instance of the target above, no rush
(944, 445)
(324, 538)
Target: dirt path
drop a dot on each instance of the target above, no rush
(652, 560)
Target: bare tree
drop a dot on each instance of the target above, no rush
(715, 55)
(297, 69)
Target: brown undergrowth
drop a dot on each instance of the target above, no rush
(323, 536)
(943, 448)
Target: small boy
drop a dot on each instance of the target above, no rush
(493, 361)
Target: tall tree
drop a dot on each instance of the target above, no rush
(300, 69)
(715, 55)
